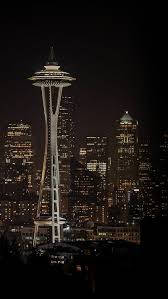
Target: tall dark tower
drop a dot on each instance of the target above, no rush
(96, 156)
(145, 178)
(51, 79)
(124, 156)
(163, 170)
(18, 157)
(66, 144)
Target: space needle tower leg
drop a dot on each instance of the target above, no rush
(55, 179)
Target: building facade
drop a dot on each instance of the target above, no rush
(163, 171)
(66, 144)
(83, 197)
(18, 210)
(145, 179)
(124, 165)
(94, 157)
(18, 156)
(126, 233)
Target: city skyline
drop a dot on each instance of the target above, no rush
(124, 49)
(92, 218)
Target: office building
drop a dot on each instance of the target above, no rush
(66, 144)
(163, 171)
(18, 158)
(124, 164)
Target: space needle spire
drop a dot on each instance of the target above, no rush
(51, 58)
(51, 79)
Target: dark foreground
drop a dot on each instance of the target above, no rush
(137, 274)
(96, 269)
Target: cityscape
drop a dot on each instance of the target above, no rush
(83, 183)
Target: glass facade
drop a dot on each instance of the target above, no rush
(66, 144)
(18, 157)
(124, 164)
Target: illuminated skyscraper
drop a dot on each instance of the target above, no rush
(141, 201)
(18, 210)
(97, 151)
(94, 156)
(145, 178)
(124, 162)
(163, 170)
(83, 198)
(51, 79)
(65, 148)
(18, 158)
(18, 203)
(82, 155)
(1, 157)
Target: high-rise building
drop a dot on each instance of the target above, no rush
(89, 182)
(37, 180)
(18, 203)
(135, 206)
(124, 163)
(1, 156)
(156, 193)
(18, 210)
(141, 201)
(145, 178)
(82, 155)
(94, 156)
(83, 195)
(84, 198)
(66, 146)
(18, 158)
(163, 171)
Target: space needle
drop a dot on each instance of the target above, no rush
(51, 79)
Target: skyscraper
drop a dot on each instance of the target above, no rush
(17, 210)
(1, 157)
(94, 156)
(163, 170)
(83, 198)
(66, 146)
(18, 203)
(51, 79)
(145, 178)
(124, 163)
(18, 158)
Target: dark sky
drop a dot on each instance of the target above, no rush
(119, 62)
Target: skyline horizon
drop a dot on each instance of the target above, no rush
(38, 145)
(118, 60)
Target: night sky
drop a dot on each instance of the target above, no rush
(119, 62)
